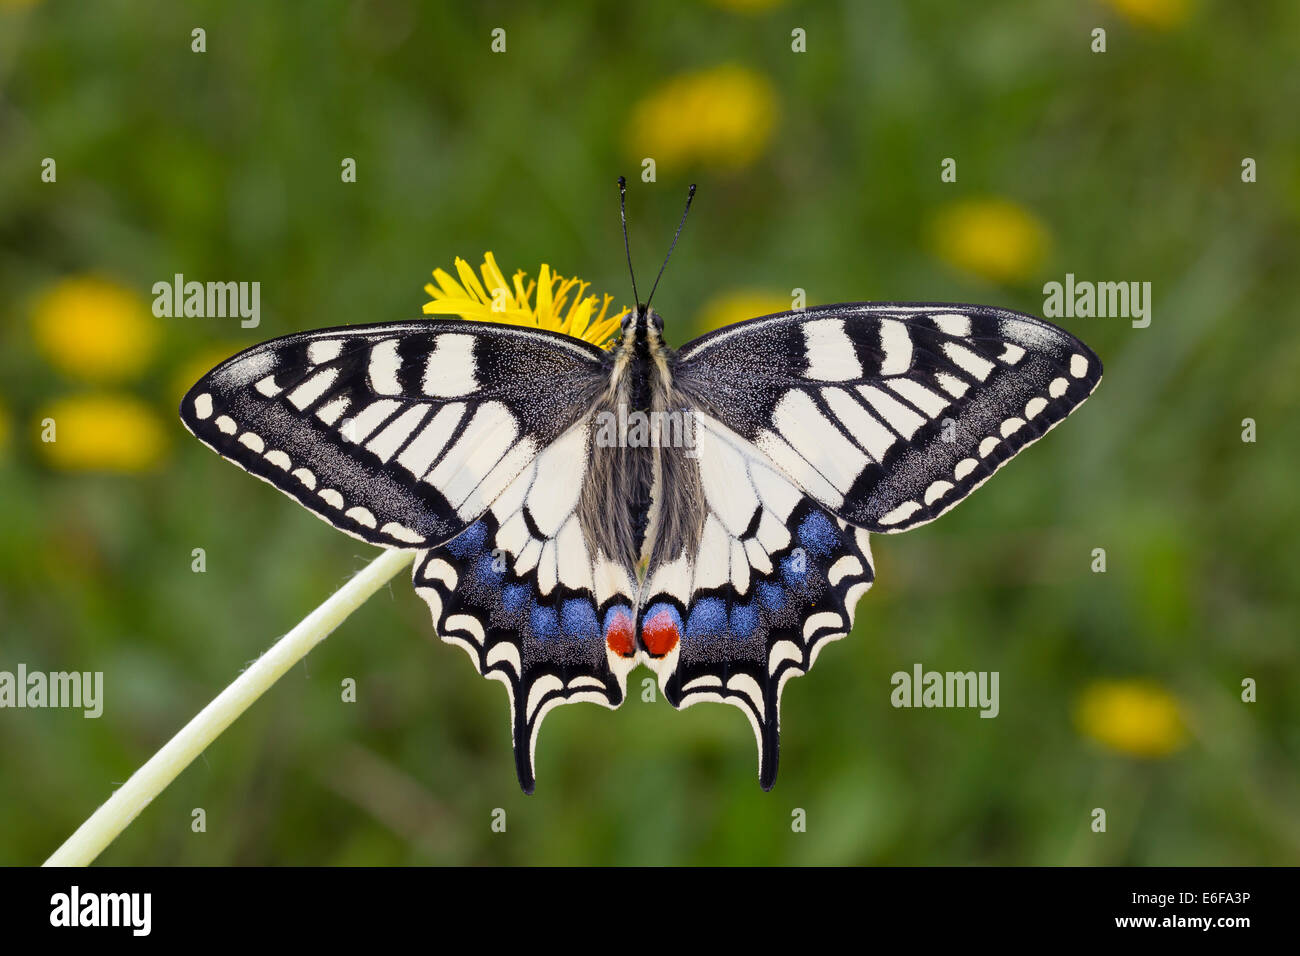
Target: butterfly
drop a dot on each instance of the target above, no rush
(704, 511)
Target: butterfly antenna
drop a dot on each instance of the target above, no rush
(622, 211)
(689, 196)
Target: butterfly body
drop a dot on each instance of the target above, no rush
(722, 545)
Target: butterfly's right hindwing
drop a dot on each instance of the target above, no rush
(400, 434)
(770, 581)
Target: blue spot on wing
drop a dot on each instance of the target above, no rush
(470, 541)
(771, 596)
(794, 569)
(708, 616)
(545, 622)
(487, 573)
(578, 618)
(744, 620)
(817, 533)
(514, 597)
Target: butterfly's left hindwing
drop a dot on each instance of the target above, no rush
(772, 579)
(521, 592)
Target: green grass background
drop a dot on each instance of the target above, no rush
(225, 165)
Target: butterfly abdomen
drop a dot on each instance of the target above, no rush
(615, 484)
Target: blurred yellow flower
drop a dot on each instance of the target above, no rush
(94, 329)
(739, 305)
(1161, 14)
(1134, 717)
(562, 305)
(104, 432)
(993, 238)
(723, 116)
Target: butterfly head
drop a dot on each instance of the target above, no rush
(642, 317)
(643, 326)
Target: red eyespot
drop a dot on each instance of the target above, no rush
(659, 633)
(618, 633)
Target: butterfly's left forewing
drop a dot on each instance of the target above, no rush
(399, 434)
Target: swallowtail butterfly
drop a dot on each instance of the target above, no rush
(560, 552)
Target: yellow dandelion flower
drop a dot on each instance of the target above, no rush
(94, 329)
(993, 238)
(552, 302)
(731, 307)
(104, 432)
(722, 116)
(1158, 14)
(1133, 717)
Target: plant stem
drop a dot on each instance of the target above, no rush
(162, 768)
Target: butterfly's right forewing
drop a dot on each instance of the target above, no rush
(890, 414)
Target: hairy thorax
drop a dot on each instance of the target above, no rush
(641, 496)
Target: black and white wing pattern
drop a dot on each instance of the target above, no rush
(772, 579)
(475, 445)
(522, 593)
(465, 441)
(889, 414)
(400, 434)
